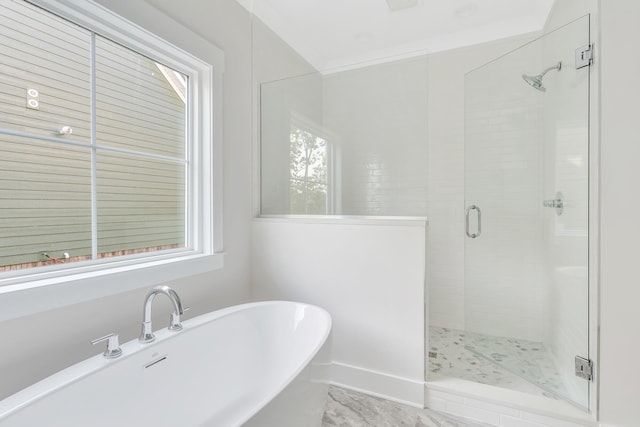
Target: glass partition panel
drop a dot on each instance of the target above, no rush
(526, 200)
(347, 143)
(293, 148)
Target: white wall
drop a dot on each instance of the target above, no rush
(565, 11)
(38, 345)
(272, 58)
(370, 276)
(619, 207)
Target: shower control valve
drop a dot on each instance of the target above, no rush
(557, 203)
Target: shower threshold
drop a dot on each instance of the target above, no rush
(520, 365)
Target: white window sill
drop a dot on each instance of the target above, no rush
(33, 296)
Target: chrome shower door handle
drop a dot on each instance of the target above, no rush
(468, 211)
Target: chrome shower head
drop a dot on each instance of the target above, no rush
(536, 81)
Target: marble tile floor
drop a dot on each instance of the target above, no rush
(346, 408)
(520, 365)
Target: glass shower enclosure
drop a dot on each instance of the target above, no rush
(526, 206)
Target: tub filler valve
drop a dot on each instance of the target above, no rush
(147, 333)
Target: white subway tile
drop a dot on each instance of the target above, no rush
(548, 421)
(491, 407)
(473, 413)
(508, 421)
(435, 403)
(445, 396)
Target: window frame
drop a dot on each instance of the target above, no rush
(204, 252)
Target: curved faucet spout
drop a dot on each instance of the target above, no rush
(147, 334)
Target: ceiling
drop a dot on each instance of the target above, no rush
(334, 35)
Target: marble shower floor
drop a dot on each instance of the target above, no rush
(483, 358)
(347, 408)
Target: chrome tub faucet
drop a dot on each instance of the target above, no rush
(147, 334)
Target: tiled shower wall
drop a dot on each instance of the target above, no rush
(378, 115)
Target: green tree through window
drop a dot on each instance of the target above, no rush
(308, 173)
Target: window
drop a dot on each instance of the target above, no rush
(308, 167)
(311, 170)
(105, 142)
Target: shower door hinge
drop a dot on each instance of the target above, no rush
(584, 368)
(584, 56)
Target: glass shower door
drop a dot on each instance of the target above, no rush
(526, 205)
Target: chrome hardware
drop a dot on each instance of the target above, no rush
(469, 209)
(175, 325)
(584, 368)
(156, 361)
(557, 203)
(113, 346)
(584, 56)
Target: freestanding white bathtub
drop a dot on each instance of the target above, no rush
(259, 365)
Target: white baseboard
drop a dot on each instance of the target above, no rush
(391, 387)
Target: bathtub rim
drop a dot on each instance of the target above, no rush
(83, 369)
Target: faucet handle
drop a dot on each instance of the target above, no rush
(113, 347)
(175, 323)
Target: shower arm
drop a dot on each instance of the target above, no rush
(558, 67)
